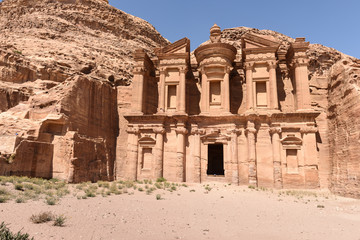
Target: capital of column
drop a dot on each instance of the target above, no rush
(183, 69)
(235, 131)
(228, 69)
(162, 70)
(196, 131)
(249, 65)
(308, 129)
(272, 64)
(159, 130)
(139, 70)
(133, 130)
(273, 130)
(300, 62)
(251, 130)
(181, 130)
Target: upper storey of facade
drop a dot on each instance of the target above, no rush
(258, 78)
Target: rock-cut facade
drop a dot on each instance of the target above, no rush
(226, 115)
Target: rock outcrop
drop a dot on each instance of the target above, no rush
(60, 63)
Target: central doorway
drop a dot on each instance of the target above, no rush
(215, 159)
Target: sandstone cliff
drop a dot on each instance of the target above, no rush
(60, 63)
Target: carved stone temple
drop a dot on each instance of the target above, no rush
(223, 115)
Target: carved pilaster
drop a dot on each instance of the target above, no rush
(159, 152)
(250, 132)
(181, 131)
(275, 138)
(249, 66)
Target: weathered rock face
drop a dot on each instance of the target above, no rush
(60, 63)
(55, 39)
(344, 126)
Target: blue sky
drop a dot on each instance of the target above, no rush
(333, 23)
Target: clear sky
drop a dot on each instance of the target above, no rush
(333, 23)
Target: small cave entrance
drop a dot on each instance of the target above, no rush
(215, 159)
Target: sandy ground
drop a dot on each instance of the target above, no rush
(229, 212)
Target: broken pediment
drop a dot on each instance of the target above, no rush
(180, 46)
(254, 41)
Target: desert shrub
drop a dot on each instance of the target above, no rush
(251, 187)
(42, 217)
(6, 234)
(113, 188)
(51, 200)
(90, 193)
(140, 189)
(59, 221)
(158, 197)
(3, 191)
(129, 184)
(103, 184)
(161, 179)
(19, 187)
(62, 192)
(4, 198)
(20, 200)
(158, 185)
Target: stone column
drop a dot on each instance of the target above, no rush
(138, 91)
(182, 86)
(251, 131)
(275, 131)
(197, 153)
(234, 155)
(273, 85)
(161, 106)
(159, 152)
(204, 92)
(303, 98)
(227, 90)
(181, 131)
(131, 163)
(249, 66)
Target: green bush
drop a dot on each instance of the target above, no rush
(59, 221)
(19, 186)
(42, 217)
(161, 179)
(6, 234)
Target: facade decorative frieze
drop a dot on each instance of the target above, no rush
(215, 60)
(172, 62)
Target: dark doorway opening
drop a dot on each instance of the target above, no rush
(215, 159)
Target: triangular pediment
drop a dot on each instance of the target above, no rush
(253, 41)
(180, 46)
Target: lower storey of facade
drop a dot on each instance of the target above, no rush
(278, 150)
